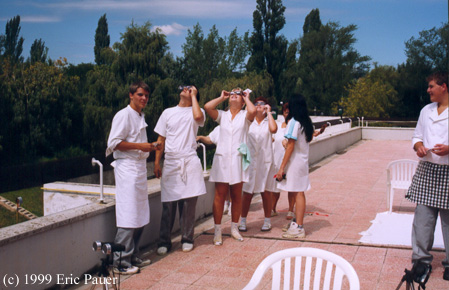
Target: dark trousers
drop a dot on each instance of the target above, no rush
(129, 238)
(186, 208)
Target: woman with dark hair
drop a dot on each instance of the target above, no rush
(260, 148)
(278, 154)
(229, 167)
(293, 174)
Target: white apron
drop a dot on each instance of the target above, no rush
(182, 177)
(132, 209)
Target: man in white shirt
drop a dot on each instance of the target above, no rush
(129, 143)
(182, 176)
(430, 185)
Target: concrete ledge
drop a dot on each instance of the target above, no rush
(384, 133)
(60, 244)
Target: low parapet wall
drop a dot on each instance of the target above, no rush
(59, 246)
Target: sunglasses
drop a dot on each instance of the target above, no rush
(236, 93)
(260, 103)
(184, 87)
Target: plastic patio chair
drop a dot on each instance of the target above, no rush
(313, 266)
(399, 175)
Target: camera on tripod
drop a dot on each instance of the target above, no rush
(107, 247)
(419, 273)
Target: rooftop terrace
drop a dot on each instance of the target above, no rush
(348, 190)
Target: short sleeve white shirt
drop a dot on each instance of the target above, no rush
(130, 126)
(179, 128)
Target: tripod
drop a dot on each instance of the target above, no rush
(409, 278)
(105, 276)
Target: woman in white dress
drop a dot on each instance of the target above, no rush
(229, 167)
(295, 164)
(260, 146)
(278, 154)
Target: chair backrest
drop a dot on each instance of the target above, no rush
(400, 173)
(290, 260)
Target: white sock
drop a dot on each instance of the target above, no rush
(267, 220)
(243, 220)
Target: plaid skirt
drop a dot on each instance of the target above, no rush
(430, 185)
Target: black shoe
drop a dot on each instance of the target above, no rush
(446, 274)
(421, 272)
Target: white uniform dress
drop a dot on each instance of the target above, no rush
(278, 155)
(297, 168)
(182, 174)
(131, 194)
(227, 164)
(260, 146)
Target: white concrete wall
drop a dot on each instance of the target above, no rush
(61, 243)
(382, 133)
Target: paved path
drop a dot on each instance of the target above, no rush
(347, 190)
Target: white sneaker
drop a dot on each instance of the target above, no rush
(235, 232)
(290, 215)
(218, 241)
(162, 251)
(294, 232)
(226, 207)
(242, 226)
(266, 226)
(285, 228)
(138, 262)
(126, 270)
(187, 247)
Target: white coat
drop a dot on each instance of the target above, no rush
(432, 129)
(297, 168)
(227, 164)
(260, 146)
(131, 194)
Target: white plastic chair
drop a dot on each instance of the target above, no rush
(313, 266)
(399, 175)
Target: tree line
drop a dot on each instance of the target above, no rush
(54, 109)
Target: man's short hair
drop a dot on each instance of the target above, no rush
(439, 77)
(136, 85)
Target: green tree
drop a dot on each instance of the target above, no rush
(268, 46)
(373, 95)
(104, 98)
(328, 62)
(13, 44)
(102, 40)
(140, 54)
(289, 77)
(212, 57)
(425, 54)
(38, 51)
(44, 110)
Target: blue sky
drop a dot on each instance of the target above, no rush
(68, 27)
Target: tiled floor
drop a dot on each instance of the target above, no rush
(348, 190)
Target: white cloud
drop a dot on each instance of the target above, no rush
(39, 19)
(172, 29)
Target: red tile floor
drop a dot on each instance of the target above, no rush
(348, 189)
